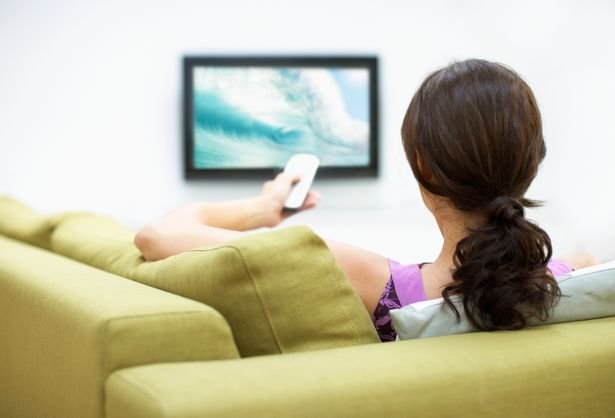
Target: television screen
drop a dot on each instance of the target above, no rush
(249, 115)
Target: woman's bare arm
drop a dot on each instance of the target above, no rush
(206, 223)
(367, 271)
(179, 231)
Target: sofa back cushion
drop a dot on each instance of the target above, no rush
(20, 222)
(281, 291)
(98, 241)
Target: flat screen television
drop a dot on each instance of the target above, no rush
(245, 116)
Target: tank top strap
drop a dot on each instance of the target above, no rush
(408, 282)
(558, 267)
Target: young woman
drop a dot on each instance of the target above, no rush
(473, 138)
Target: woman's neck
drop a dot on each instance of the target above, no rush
(449, 245)
(454, 226)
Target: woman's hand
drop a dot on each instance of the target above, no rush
(274, 193)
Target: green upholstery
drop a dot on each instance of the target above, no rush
(98, 241)
(22, 223)
(66, 326)
(539, 372)
(280, 291)
(79, 341)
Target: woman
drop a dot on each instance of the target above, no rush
(473, 137)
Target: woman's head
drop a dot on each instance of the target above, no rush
(473, 136)
(475, 126)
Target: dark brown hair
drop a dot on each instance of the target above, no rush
(475, 126)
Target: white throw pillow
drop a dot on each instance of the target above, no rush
(586, 294)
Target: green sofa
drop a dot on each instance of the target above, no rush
(266, 326)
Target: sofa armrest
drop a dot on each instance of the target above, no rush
(563, 370)
(66, 326)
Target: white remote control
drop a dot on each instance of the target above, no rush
(304, 165)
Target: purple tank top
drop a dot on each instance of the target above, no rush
(405, 286)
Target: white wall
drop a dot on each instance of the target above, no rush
(90, 103)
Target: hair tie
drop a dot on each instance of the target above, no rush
(505, 209)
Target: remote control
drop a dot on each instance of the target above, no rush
(305, 165)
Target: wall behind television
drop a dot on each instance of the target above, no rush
(90, 103)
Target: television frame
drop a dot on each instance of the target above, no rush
(190, 62)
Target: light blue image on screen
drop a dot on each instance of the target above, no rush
(254, 117)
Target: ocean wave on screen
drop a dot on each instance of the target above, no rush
(259, 117)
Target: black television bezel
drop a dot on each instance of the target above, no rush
(190, 62)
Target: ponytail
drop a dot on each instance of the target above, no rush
(500, 269)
